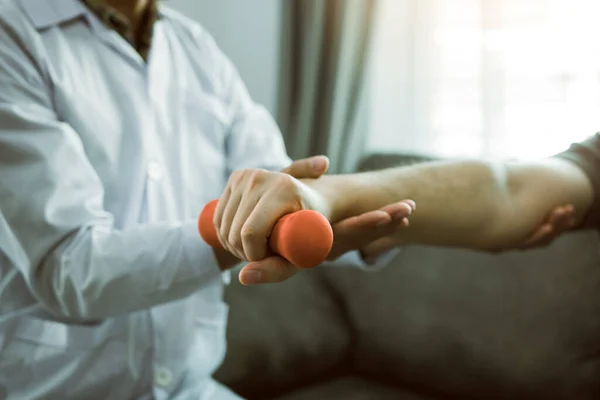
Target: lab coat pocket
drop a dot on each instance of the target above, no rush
(207, 125)
(204, 133)
(38, 350)
(210, 325)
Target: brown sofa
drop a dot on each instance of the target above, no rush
(435, 324)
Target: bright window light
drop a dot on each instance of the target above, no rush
(501, 78)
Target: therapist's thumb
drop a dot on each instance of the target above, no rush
(308, 168)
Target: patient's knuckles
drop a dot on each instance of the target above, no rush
(235, 240)
(235, 178)
(290, 193)
(257, 178)
(249, 235)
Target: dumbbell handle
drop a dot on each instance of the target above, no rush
(304, 238)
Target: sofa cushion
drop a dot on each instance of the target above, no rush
(283, 336)
(468, 324)
(351, 388)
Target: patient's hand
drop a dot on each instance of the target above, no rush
(254, 200)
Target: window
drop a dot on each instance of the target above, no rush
(500, 78)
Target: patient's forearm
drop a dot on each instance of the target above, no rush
(455, 201)
(472, 204)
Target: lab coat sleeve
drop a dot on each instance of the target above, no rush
(254, 139)
(53, 227)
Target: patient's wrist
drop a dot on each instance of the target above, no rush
(338, 194)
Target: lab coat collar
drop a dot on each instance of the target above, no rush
(47, 13)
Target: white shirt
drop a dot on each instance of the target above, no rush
(106, 289)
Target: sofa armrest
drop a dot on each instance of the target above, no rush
(282, 337)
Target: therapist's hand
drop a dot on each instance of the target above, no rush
(559, 221)
(349, 235)
(354, 232)
(308, 168)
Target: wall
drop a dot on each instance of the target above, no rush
(248, 31)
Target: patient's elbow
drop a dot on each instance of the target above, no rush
(499, 225)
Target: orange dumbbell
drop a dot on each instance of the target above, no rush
(304, 238)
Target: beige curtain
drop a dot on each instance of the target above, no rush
(325, 49)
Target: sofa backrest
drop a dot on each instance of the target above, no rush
(470, 325)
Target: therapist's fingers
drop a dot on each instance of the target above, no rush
(560, 220)
(541, 237)
(563, 219)
(272, 269)
(355, 238)
(357, 232)
(308, 168)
